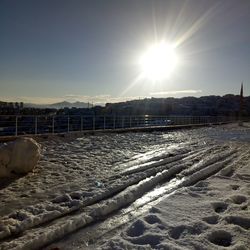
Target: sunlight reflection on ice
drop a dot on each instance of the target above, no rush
(159, 191)
(142, 204)
(148, 157)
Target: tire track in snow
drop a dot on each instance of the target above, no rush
(38, 237)
(163, 158)
(241, 160)
(218, 155)
(154, 155)
(107, 229)
(36, 215)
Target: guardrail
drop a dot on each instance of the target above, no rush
(34, 125)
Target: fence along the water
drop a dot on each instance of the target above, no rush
(21, 125)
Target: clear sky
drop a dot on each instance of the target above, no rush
(52, 50)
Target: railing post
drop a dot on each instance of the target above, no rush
(41, 124)
(81, 128)
(53, 124)
(93, 122)
(114, 122)
(35, 125)
(16, 130)
(123, 122)
(68, 124)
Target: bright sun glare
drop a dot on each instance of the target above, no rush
(158, 61)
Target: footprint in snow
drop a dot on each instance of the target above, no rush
(152, 219)
(238, 199)
(214, 219)
(136, 229)
(241, 221)
(151, 239)
(182, 231)
(235, 187)
(154, 210)
(219, 207)
(220, 238)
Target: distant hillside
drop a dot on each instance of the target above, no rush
(205, 105)
(59, 105)
(65, 104)
(227, 105)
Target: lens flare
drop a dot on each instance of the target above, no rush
(158, 62)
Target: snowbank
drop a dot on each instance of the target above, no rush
(19, 156)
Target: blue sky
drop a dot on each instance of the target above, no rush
(53, 50)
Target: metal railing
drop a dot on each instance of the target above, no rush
(33, 125)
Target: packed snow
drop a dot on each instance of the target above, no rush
(187, 189)
(20, 156)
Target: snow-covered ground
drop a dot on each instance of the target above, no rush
(186, 189)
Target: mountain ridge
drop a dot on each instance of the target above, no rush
(59, 105)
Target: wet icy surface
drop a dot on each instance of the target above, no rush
(68, 164)
(230, 133)
(75, 172)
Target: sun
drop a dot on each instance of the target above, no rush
(158, 62)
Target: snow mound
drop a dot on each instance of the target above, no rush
(19, 156)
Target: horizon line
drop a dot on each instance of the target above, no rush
(98, 102)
